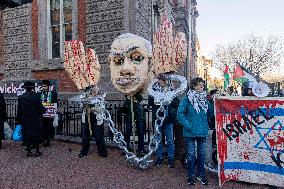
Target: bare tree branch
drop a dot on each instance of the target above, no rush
(256, 54)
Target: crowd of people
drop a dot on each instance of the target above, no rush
(184, 130)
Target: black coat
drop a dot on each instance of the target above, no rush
(29, 115)
(3, 114)
(171, 110)
(137, 108)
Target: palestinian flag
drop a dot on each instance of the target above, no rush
(242, 76)
(226, 77)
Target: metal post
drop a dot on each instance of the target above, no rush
(133, 125)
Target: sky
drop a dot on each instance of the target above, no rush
(222, 21)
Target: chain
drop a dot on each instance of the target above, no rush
(132, 159)
(98, 106)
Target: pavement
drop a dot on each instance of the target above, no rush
(59, 167)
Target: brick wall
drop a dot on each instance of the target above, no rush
(35, 30)
(65, 84)
(1, 41)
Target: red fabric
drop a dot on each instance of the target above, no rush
(238, 73)
(226, 71)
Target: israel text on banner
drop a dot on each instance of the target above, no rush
(250, 138)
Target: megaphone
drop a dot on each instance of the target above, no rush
(260, 89)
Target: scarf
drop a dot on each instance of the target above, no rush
(198, 100)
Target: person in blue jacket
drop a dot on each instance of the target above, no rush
(192, 115)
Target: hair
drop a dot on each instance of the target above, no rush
(213, 91)
(231, 88)
(162, 77)
(45, 82)
(136, 37)
(195, 81)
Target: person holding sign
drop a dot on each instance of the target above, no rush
(49, 101)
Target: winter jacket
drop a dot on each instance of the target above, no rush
(194, 124)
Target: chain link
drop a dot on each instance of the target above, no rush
(98, 106)
(132, 159)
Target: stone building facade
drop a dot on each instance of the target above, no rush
(32, 35)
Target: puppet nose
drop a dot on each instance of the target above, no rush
(128, 68)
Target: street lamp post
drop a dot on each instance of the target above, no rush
(206, 75)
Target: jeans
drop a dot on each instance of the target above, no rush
(140, 131)
(168, 130)
(179, 142)
(190, 147)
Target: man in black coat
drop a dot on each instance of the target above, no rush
(48, 98)
(29, 116)
(93, 125)
(3, 118)
(139, 121)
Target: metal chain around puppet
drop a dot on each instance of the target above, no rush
(97, 104)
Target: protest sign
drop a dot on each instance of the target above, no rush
(250, 139)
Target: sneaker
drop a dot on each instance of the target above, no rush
(158, 162)
(203, 180)
(190, 181)
(171, 163)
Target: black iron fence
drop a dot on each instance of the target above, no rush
(70, 116)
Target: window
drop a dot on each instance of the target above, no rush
(60, 26)
(157, 18)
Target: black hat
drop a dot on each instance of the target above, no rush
(45, 82)
(29, 84)
(162, 77)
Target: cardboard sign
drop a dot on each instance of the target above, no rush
(51, 109)
(250, 139)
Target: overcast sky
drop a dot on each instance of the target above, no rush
(222, 21)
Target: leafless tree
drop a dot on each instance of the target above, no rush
(256, 54)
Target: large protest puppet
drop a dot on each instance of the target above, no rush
(129, 64)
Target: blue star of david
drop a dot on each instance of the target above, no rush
(263, 143)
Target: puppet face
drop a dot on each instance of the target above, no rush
(129, 63)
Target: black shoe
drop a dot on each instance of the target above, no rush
(141, 154)
(171, 163)
(104, 154)
(37, 154)
(190, 181)
(46, 144)
(81, 155)
(29, 154)
(202, 180)
(158, 162)
(184, 163)
(0, 144)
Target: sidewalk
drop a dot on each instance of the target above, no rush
(60, 167)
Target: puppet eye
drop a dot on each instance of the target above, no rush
(118, 60)
(136, 57)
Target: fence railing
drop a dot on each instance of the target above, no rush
(70, 116)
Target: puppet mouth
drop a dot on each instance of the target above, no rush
(126, 81)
